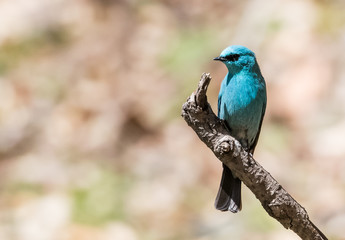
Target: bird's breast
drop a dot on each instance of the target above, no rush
(241, 104)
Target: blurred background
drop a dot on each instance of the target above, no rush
(92, 145)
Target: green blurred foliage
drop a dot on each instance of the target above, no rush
(331, 17)
(17, 50)
(101, 201)
(275, 25)
(276, 137)
(191, 49)
(24, 187)
(259, 220)
(188, 51)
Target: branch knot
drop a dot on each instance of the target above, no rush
(224, 145)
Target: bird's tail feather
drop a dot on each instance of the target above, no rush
(229, 193)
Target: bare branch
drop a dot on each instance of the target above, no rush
(277, 202)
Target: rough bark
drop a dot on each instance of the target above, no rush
(277, 202)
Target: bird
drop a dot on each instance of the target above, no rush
(242, 103)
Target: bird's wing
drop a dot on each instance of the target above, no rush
(252, 148)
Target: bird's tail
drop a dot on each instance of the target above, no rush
(229, 193)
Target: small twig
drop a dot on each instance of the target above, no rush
(277, 202)
(201, 98)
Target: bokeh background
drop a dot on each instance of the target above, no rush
(92, 145)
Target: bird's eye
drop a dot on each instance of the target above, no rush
(233, 57)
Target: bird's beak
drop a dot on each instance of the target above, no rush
(219, 59)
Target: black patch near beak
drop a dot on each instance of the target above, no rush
(219, 59)
(230, 58)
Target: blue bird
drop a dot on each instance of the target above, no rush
(241, 104)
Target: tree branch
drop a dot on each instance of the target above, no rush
(277, 202)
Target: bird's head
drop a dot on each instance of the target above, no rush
(236, 58)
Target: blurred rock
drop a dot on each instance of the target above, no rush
(42, 219)
(120, 231)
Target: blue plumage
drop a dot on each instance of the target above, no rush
(241, 104)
